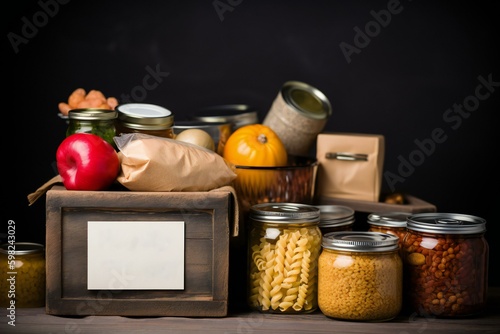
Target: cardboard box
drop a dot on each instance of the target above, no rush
(130, 253)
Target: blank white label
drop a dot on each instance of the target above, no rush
(135, 255)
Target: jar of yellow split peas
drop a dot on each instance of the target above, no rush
(360, 276)
(22, 278)
(283, 249)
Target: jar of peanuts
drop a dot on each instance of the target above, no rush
(445, 265)
(389, 222)
(360, 276)
(283, 249)
(22, 282)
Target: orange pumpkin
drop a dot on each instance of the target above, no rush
(256, 150)
(255, 145)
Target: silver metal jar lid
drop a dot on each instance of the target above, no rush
(388, 219)
(335, 215)
(446, 223)
(92, 114)
(360, 241)
(306, 99)
(236, 114)
(285, 213)
(145, 116)
(22, 248)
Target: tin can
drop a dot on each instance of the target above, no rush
(283, 249)
(237, 115)
(389, 222)
(446, 264)
(360, 276)
(298, 114)
(145, 118)
(335, 218)
(100, 122)
(22, 282)
(219, 132)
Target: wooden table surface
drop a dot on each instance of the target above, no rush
(35, 320)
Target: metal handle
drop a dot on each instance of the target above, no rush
(346, 156)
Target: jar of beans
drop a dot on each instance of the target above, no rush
(360, 276)
(389, 222)
(284, 245)
(445, 265)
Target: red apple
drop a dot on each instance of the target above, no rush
(87, 162)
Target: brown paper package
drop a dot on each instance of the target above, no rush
(350, 165)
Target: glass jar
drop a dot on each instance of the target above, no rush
(22, 282)
(335, 218)
(389, 222)
(446, 264)
(360, 276)
(283, 249)
(145, 118)
(100, 122)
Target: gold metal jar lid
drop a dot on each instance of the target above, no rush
(306, 99)
(21, 248)
(145, 116)
(92, 114)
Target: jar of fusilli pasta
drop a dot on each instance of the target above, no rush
(360, 276)
(283, 249)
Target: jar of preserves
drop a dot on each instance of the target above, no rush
(100, 122)
(283, 249)
(145, 118)
(22, 282)
(334, 218)
(360, 276)
(445, 264)
(389, 222)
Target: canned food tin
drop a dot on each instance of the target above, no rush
(219, 132)
(145, 118)
(236, 114)
(360, 276)
(335, 218)
(389, 222)
(298, 114)
(22, 282)
(100, 122)
(446, 264)
(283, 249)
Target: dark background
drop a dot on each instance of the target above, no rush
(401, 83)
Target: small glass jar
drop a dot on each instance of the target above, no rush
(335, 218)
(145, 118)
(389, 222)
(100, 122)
(22, 282)
(446, 265)
(360, 276)
(283, 249)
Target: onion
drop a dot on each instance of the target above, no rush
(197, 137)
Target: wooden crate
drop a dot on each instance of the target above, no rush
(206, 218)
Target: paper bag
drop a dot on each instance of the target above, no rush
(350, 165)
